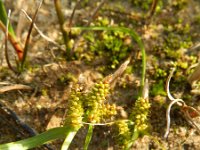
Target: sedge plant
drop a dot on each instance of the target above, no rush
(10, 35)
(89, 107)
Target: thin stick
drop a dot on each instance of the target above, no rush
(168, 83)
(4, 83)
(14, 87)
(25, 126)
(40, 32)
(72, 15)
(168, 115)
(153, 8)
(6, 43)
(104, 124)
(29, 34)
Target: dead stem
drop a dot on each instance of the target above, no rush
(106, 123)
(29, 34)
(180, 103)
(6, 43)
(18, 120)
(39, 31)
(168, 115)
(14, 87)
(189, 120)
(72, 15)
(152, 9)
(168, 83)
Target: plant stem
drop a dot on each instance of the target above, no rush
(68, 139)
(6, 43)
(28, 36)
(3, 18)
(61, 20)
(88, 137)
(153, 8)
(13, 41)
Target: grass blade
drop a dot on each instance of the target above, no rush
(68, 139)
(3, 18)
(37, 140)
(88, 137)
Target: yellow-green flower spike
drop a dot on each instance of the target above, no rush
(75, 110)
(140, 114)
(94, 102)
(108, 110)
(123, 134)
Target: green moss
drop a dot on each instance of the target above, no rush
(183, 65)
(158, 88)
(108, 45)
(145, 5)
(66, 78)
(160, 73)
(179, 4)
(129, 70)
(44, 92)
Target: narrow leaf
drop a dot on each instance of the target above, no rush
(68, 139)
(88, 137)
(37, 140)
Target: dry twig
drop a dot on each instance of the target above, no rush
(14, 87)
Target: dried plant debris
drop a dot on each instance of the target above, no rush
(188, 111)
(194, 80)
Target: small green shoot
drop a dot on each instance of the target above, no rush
(88, 136)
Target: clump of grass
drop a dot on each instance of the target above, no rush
(10, 35)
